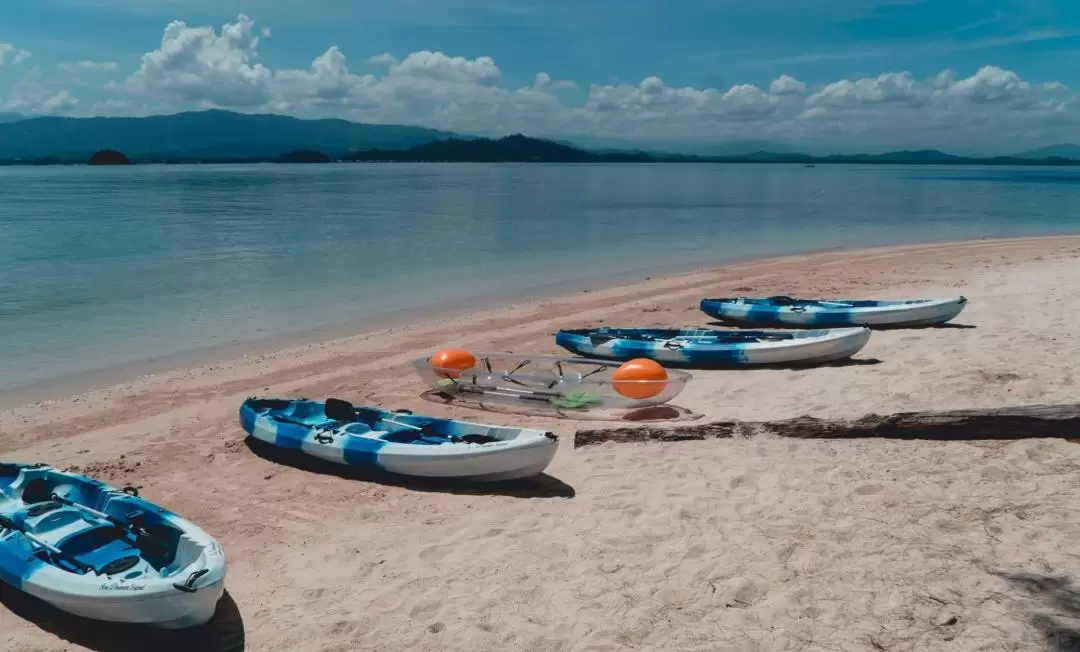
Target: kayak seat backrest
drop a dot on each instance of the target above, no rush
(36, 490)
(339, 410)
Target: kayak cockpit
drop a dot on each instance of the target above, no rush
(382, 425)
(80, 528)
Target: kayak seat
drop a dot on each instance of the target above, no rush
(57, 519)
(39, 509)
(101, 548)
(339, 410)
(36, 491)
(305, 411)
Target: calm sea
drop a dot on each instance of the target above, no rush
(102, 267)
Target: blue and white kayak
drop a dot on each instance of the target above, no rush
(98, 552)
(717, 348)
(835, 312)
(398, 442)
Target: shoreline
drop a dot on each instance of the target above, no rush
(73, 384)
(77, 384)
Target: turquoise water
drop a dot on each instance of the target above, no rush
(103, 267)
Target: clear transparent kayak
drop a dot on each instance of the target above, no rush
(562, 382)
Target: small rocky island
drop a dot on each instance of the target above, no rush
(109, 157)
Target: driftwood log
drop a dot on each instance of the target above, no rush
(1057, 421)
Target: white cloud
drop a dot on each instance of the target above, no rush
(203, 66)
(59, 104)
(196, 64)
(327, 81)
(544, 82)
(9, 52)
(436, 65)
(787, 85)
(76, 66)
(992, 84)
(887, 88)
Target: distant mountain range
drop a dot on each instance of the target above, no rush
(518, 148)
(1061, 151)
(217, 135)
(200, 134)
(665, 147)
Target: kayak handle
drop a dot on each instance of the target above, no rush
(189, 584)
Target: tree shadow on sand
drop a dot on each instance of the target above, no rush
(541, 486)
(1059, 622)
(224, 632)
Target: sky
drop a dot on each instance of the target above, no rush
(987, 76)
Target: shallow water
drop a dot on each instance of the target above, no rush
(109, 266)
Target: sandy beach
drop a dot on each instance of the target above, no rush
(756, 543)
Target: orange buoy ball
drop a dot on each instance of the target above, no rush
(451, 358)
(627, 379)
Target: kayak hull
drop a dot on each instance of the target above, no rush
(820, 313)
(373, 442)
(562, 382)
(170, 577)
(717, 348)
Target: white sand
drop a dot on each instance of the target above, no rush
(751, 544)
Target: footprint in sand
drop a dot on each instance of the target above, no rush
(492, 533)
(435, 553)
(742, 481)
(343, 628)
(1039, 454)
(426, 610)
(742, 593)
(868, 490)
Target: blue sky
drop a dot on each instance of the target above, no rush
(716, 61)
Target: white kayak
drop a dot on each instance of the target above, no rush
(835, 312)
(98, 552)
(398, 442)
(704, 348)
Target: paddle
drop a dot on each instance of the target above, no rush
(571, 400)
(123, 525)
(8, 524)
